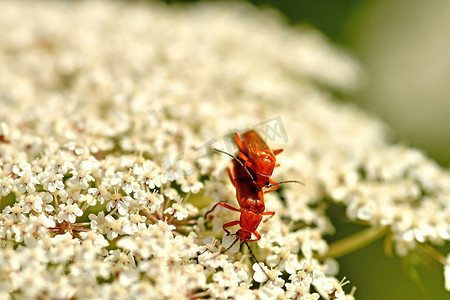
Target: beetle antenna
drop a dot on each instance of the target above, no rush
(286, 181)
(254, 257)
(229, 247)
(229, 154)
(238, 160)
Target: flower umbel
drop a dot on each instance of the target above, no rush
(107, 114)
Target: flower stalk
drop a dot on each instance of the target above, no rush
(354, 242)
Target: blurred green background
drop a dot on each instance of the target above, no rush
(403, 45)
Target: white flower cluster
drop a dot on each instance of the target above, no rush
(108, 113)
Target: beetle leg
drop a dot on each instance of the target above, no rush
(223, 205)
(244, 158)
(239, 143)
(247, 165)
(275, 186)
(278, 151)
(229, 224)
(258, 236)
(233, 180)
(268, 213)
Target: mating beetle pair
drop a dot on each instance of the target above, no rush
(252, 168)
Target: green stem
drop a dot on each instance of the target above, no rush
(354, 242)
(435, 254)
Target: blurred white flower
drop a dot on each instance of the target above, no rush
(447, 273)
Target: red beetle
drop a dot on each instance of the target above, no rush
(258, 159)
(251, 203)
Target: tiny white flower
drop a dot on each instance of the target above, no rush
(261, 272)
(69, 212)
(177, 211)
(6, 184)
